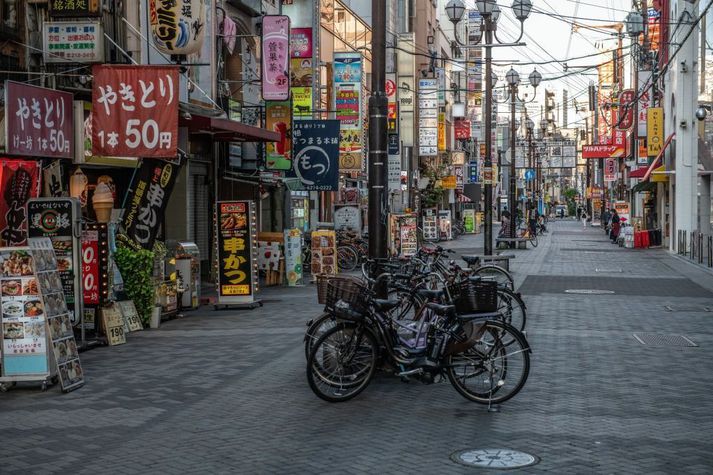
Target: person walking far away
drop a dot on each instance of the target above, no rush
(584, 219)
(615, 226)
(605, 220)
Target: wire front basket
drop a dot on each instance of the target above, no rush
(350, 291)
(476, 297)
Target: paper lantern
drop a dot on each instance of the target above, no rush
(78, 186)
(177, 27)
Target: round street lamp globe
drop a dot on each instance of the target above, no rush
(455, 10)
(485, 7)
(535, 78)
(512, 77)
(496, 13)
(521, 9)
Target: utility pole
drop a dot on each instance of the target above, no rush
(377, 135)
(488, 113)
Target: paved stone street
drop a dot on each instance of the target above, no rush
(226, 391)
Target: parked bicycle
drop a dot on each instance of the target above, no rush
(486, 360)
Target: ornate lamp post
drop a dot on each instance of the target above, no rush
(513, 80)
(490, 11)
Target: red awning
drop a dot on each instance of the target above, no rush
(657, 160)
(639, 172)
(226, 130)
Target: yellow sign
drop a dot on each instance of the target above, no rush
(449, 182)
(659, 175)
(654, 130)
(441, 132)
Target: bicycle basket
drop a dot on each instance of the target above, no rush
(322, 282)
(477, 297)
(348, 291)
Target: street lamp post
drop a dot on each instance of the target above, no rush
(377, 135)
(530, 127)
(513, 79)
(490, 11)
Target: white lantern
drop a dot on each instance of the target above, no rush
(177, 27)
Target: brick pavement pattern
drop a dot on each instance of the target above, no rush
(225, 391)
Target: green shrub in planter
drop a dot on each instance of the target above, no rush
(136, 268)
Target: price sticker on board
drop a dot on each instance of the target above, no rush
(113, 323)
(131, 316)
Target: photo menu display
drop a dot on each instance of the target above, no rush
(59, 323)
(24, 339)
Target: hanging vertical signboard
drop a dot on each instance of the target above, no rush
(148, 199)
(301, 72)
(135, 111)
(610, 169)
(428, 117)
(38, 121)
(654, 128)
(275, 57)
(316, 152)
(644, 92)
(278, 119)
(347, 106)
(59, 220)
(236, 253)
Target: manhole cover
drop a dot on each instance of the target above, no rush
(659, 339)
(588, 291)
(502, 459)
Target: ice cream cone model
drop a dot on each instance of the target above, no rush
(103, 201)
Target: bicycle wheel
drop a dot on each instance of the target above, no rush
(497, 273)
(533, 240)
(491, 371)
(411, 303)
(347, 258)
(315, 329)
(342, 362)
(512, 309)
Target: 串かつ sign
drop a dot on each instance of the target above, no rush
(236, 246)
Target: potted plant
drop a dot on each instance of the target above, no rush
(136, 266)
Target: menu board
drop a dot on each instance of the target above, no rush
(430, 228)
(469, 220)
(236, 249)
(408, 236)
(113, 323)
(131, 316)
(54, 306)
(24, 338)
(324, 252)
(55, 218)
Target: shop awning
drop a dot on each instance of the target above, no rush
(639, 172)
(201, 121)
(661, 175)
(643, 186)
(657, 161)
(226, 130)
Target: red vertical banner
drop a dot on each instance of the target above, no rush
(135, 111)
(90, 267)
(19, 181)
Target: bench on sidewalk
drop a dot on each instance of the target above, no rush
(519, 243)
(501, 260)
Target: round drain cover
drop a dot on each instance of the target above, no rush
(502, 459)
(588, 291)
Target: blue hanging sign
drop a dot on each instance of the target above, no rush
(316, 154)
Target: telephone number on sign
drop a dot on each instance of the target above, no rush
(319, 188)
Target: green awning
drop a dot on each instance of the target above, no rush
(644, 186)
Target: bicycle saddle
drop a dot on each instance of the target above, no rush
(430, 294)
(384, 305)
(471, 260)
(443, 310)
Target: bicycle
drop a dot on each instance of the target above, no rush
(446, 342)
(525, 232)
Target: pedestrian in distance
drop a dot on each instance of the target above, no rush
(615, 226)
(584, 219)
(605, 220)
